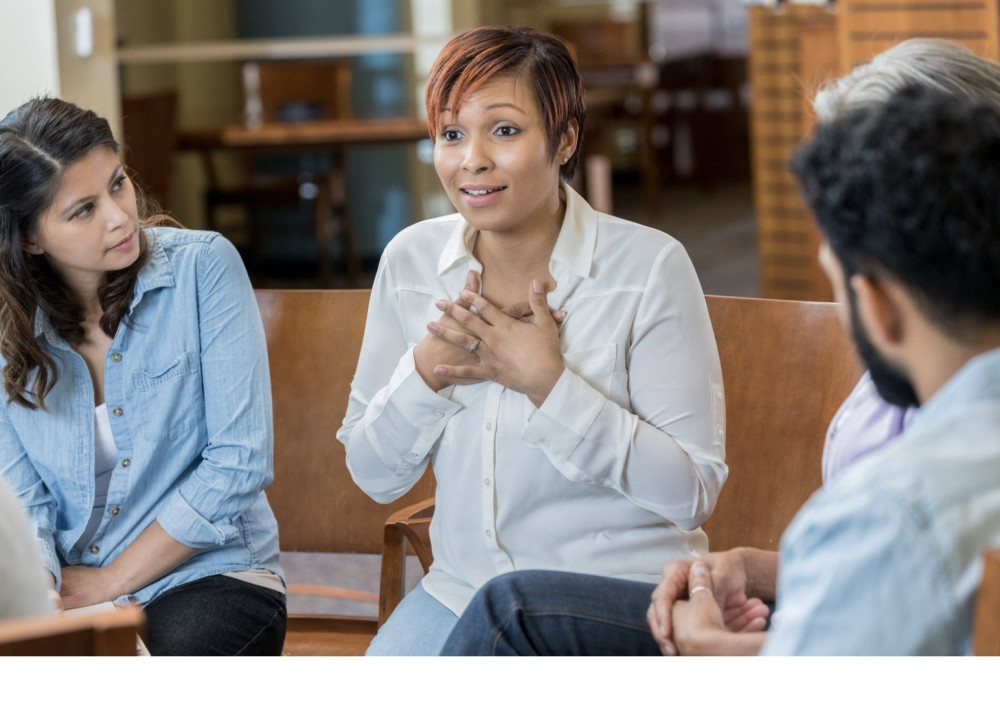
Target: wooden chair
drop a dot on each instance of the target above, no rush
(787, 367)
(104, 633)
(293, 91)
(986, 627)
(314, 338)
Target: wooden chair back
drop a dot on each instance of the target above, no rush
(149, 125)
(786, 368)
(986, 627)
(105, 633)
(313, 342)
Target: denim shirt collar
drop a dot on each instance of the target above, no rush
(574, 249)
(977, 380)
(156, 273)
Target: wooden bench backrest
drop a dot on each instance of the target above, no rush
(313, 341)
(786, 368)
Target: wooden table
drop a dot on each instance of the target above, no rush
(330, 136)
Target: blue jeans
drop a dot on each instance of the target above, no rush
(536, 612)
(418, 626)
(216, 615)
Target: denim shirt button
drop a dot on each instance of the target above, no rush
(116, 357)
(115, 511)
(126, 462)
(117, 411)
(94, 549)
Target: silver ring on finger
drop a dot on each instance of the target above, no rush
(699, 588)
(474, 345)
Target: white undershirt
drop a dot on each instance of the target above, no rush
(105, 460)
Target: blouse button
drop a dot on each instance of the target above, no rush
(126, 462)
(117, 411)
(117, 357)
(114, 511)
(489, 534)
(94, 549)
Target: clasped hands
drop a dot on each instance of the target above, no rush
(517, 347)
(699, 605)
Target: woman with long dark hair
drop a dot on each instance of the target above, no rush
(136, 421)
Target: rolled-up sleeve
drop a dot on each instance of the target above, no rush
(237, 463)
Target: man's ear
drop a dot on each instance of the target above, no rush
(879, 309)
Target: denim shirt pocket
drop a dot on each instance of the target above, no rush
(169, 397)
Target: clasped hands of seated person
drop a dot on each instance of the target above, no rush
(517, 347)
(701, 607)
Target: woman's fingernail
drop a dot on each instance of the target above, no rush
(465, 294)
(441, 304)
(536, 287)
(559, 315)
(432, 327)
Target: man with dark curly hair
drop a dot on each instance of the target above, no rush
(886, 560)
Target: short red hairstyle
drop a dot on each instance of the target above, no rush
(470, 60)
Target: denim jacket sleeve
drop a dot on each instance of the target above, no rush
(32, 493)
(237, 462)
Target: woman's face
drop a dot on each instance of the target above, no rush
(92, 225)
(492, 155)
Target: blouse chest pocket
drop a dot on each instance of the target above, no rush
(597, 365)
(168, 396)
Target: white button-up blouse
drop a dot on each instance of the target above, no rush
(612, 475)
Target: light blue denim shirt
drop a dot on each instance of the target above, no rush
(887, 560)
(188, 393)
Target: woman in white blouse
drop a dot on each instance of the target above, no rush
(589, 438)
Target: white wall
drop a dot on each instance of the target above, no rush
(29, 64)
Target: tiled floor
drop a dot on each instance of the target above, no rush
(717, 230)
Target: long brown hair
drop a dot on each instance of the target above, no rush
(38, 141)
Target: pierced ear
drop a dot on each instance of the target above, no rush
(567, 142)
(878, 310)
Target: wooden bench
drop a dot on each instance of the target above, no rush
(786, 367)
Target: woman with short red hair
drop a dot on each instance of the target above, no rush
(555, 364)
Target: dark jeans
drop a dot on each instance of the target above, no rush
(536, 612)
(216, 615)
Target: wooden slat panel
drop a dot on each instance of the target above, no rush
(867, 27)
(783, 73)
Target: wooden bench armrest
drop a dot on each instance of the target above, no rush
(410, 524)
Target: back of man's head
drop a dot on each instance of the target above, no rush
(911, 190)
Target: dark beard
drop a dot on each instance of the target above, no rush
(891, 383)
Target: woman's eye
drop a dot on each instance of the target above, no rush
(507, 131)
(450, 134)
(119, 182)
(83, 211)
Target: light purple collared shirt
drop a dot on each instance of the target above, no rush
(863, 423)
